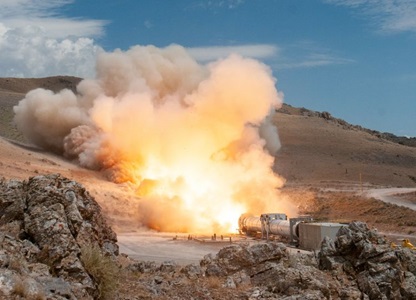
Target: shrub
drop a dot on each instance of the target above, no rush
(213, 282)
(103, 269)
(19, 289)
(17, 264)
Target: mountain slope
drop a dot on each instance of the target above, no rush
(315, 149)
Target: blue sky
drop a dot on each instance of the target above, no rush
(353, 58)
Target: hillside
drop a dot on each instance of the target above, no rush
(317, 148)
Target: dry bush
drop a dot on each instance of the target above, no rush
(103, 269)
(17, 265)
(21, 291)
(213, 282)
(19, 288)
(38, 296)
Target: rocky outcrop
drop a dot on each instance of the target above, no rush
(44, 224)
(47, 222)
(359, 264)
(272, 269)
(380, 271)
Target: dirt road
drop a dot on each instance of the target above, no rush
(390, 195)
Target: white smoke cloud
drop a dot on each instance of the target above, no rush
(193, 135)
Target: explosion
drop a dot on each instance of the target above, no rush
(195, 141)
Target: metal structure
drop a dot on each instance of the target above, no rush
(272, 224)
(311, 234)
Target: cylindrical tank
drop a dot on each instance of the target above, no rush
(248, 224)
(280, 227)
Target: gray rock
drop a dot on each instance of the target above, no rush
(192, 271)
(158, 279)
(229, 283)
(255, 294)
(44, 223)
(7, 281)
(377, 268)
(143, 267)
(237, 257)
(407, 259)
(358, 264)
(214, 269)
(54, 287)
(168, 266)
(408, 288)
(348, 293)
(39, 270)
(241, 278)
(32, 288)
(4, 259)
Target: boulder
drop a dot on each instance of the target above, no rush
(273, 270)
(237, 257)
(378, 269)
(44, 224)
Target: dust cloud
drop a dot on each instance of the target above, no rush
(194, 141)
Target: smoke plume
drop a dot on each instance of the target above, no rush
(195, 141)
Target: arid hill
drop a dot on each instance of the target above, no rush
(317, 148)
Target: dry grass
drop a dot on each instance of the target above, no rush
(103, 269)
(213, 282)
(38, 296)
(17, 265)
(21, 291)
(19, 288)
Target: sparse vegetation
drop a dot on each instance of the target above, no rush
(16, 264)
(47, 258)
(38, 296)
(19, 289)
(103, 269)
(213, 282)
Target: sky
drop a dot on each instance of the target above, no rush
(355, 59)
